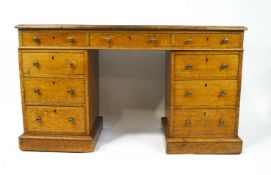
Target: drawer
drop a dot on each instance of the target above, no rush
(208, 40)
(206, 67)
(204, 122)
(54, 90)
(55, 119)
(54, 38)
(206, 93)
(124, 40)
(38, 63)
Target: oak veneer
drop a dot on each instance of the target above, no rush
(60, 95)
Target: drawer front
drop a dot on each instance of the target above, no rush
(55, 119)
(53, 63)
(211, 40)
(108, 40)
(54, 38)
(206, 67)
(54, 90)
(206, 93)
(204, 122)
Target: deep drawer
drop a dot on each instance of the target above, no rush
(55, 120)
(204, 122)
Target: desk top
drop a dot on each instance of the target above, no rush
(128, 27)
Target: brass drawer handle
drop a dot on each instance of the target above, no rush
(222, 93)
(189, 66)
(38, 119)
(36, 39)
(187, 122)
(188, 93)
(107, 39)
(225, 41)
(70, 91)
(153, 40)
(69, 63)
(189, 41)
(224, 66)
(37, 90)
(35, 63)
(71, 120)
(221, 122)
(71, 39)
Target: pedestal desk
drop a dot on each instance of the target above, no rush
(60, 95)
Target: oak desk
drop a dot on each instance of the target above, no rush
(59, 84)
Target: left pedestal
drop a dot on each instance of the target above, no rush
(60, 100)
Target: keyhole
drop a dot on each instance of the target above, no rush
(130, 38)
(206, 85)
(207, 39)
(206, 59)
(53, 37)
(53, 57)
(53, 82)
(55, 110)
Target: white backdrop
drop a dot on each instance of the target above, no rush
(132, 89)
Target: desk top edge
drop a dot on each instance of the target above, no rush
(127, 27)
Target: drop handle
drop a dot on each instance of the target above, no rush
(70, 91)
(37, 90)
(222, 93)
(36, 39)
